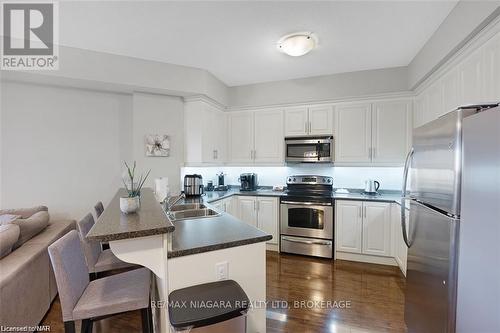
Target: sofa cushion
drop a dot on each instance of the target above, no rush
(24, 212)
(9, 234)
(31, 226)
(8, 218)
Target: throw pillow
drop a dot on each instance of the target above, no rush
(31, 226)
(9, 234)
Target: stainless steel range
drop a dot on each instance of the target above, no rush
(307, 216)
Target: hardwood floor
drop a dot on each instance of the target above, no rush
(375, 294)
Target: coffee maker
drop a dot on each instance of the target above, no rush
(248, 182)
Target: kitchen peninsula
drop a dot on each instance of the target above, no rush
(187, 252)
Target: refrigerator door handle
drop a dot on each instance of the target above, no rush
(403, 199)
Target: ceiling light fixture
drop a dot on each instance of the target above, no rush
(297, 44)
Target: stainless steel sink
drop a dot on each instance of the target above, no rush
(192, 214)
(189, 206)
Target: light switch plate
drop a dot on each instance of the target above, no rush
(221, 270)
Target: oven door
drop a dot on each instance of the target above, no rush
(307, 219)
(309, 150)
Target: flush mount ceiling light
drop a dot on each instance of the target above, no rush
(297, 44)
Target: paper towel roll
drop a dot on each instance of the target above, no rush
(161, 188)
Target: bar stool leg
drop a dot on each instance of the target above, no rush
(147, 322)
(69, 327)
(87, 326)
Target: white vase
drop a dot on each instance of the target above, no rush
(129, 205)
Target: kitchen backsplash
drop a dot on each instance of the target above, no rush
(390, 178)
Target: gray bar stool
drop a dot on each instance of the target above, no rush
(99, 209)
(90, 301)
(190, 308)
(98, 260)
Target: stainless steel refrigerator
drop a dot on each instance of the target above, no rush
(453, 232)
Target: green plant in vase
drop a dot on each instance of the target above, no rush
(131, 203)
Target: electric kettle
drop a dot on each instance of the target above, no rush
(371, 186)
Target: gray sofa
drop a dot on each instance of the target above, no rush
(27, 282)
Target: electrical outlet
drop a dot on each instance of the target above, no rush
(221, 270)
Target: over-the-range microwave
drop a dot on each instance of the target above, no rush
(309, 149)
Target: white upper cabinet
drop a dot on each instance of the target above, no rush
(434, 107)
(353, 133)
(321, 120)
(268, 136)
(205, 131)
(313, 120)
(418, 110)
(241, 136)
(491, 69)
(391, 131)
(377, 228)
(451, 91)
(470, 79)
(296, 122)
(256, 137)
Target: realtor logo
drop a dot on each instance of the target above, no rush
(30, 36)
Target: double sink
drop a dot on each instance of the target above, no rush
(191, 211)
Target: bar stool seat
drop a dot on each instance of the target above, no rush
(108, 261)
(114, 294)
(206, 304)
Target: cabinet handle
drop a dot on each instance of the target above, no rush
(310, 127)
(364, 208)
(305, 127)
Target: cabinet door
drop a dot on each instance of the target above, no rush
(491, 69)
(418, 110)
(218, 205)
(321, 120)
(296, 121)
(470, 79)
(348, 226)
(267, 217)
(247, 210)
(231, 206)
(451, 98)
(220, 136)
(208, 142)
(377, 228)
(400, 249)
(391, 130)
(434, 105)
(241, 137)
(353, 133)
(269, 138)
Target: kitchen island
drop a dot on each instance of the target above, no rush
(187, 252)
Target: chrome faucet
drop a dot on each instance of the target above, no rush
(174, 202)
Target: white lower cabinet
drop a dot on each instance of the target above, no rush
(400, 249)
(364, 228)
(227, 205)
(261, 212)
(376, 228)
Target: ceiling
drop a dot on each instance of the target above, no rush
(236, 40)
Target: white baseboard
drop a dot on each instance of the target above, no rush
(366, 258)
(272, 247)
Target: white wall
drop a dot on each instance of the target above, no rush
(463, 23)
(159, 114)
(390, 178)
(62, 147)
(319, 88)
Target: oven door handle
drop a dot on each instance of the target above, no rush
(307, 203)
(310, 242)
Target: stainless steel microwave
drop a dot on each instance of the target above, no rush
(310, 149)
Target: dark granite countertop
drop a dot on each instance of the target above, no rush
(114, 225)
(212, 233)
(354, 194)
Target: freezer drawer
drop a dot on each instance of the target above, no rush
(431, 273)
(436, 167)
(307, 246)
